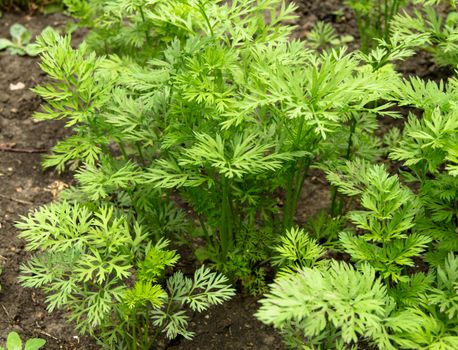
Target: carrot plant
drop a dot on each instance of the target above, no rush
(428, 149)
(437, 33)
(373, 18)
(84, 260)
(224, 113)
(402, 231)
(389, 213)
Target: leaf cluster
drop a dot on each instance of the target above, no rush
(20, 41)
(110, 277)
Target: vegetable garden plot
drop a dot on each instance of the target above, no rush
(200, 122)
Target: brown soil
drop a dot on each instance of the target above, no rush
(24, 186)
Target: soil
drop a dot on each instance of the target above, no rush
(24, 186)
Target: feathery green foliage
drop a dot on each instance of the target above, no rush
(390, 210)
(332, 307)
(437, 34)
(206, 115)
(429, 149)
(296, 250)
(86, 262)
(373, 18)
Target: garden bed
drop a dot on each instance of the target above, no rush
(24, 186)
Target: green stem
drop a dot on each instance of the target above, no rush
(226, 234)
(134, 336)
(295, 183)
(336, 201)
(287, 219)
(333, 201)
(302, 175)
(148, 38)
(368, 32)
(378, 20)
(350, 138)
(362, 31)
(204, 229)
(207, 20)
(123, 151)
(393, 11)
(140, 153)
(145, 344)
(386, 18)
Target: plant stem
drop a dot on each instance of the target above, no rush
(226, 232)
(301, 176)
(295, 182)
(350, 138)
(207, 20)
(134, 336)
(361, 30)
(386, 19)
(204, 229)
(148, 38)
(287, 219)
(336, 201)
(146, 335)
(140, 153)
(123, 151)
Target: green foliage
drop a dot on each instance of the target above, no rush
(222, 110)
(428, 149)
(332, 307)
(296, 251)
(80, 249)
(429, 142)
(437, 34)
(198, 121)
(445, 295)
(323, 36)
(335, 306)
(325, 228)
(20, 41)
(14, 342)
(390, 210)
(75, 94)
(373, 18)
(439, 198)
(437, 313)
(85, 261)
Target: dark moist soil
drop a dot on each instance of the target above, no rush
(343, 20)
(24, 186)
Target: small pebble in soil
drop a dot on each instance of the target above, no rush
(18, 86)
